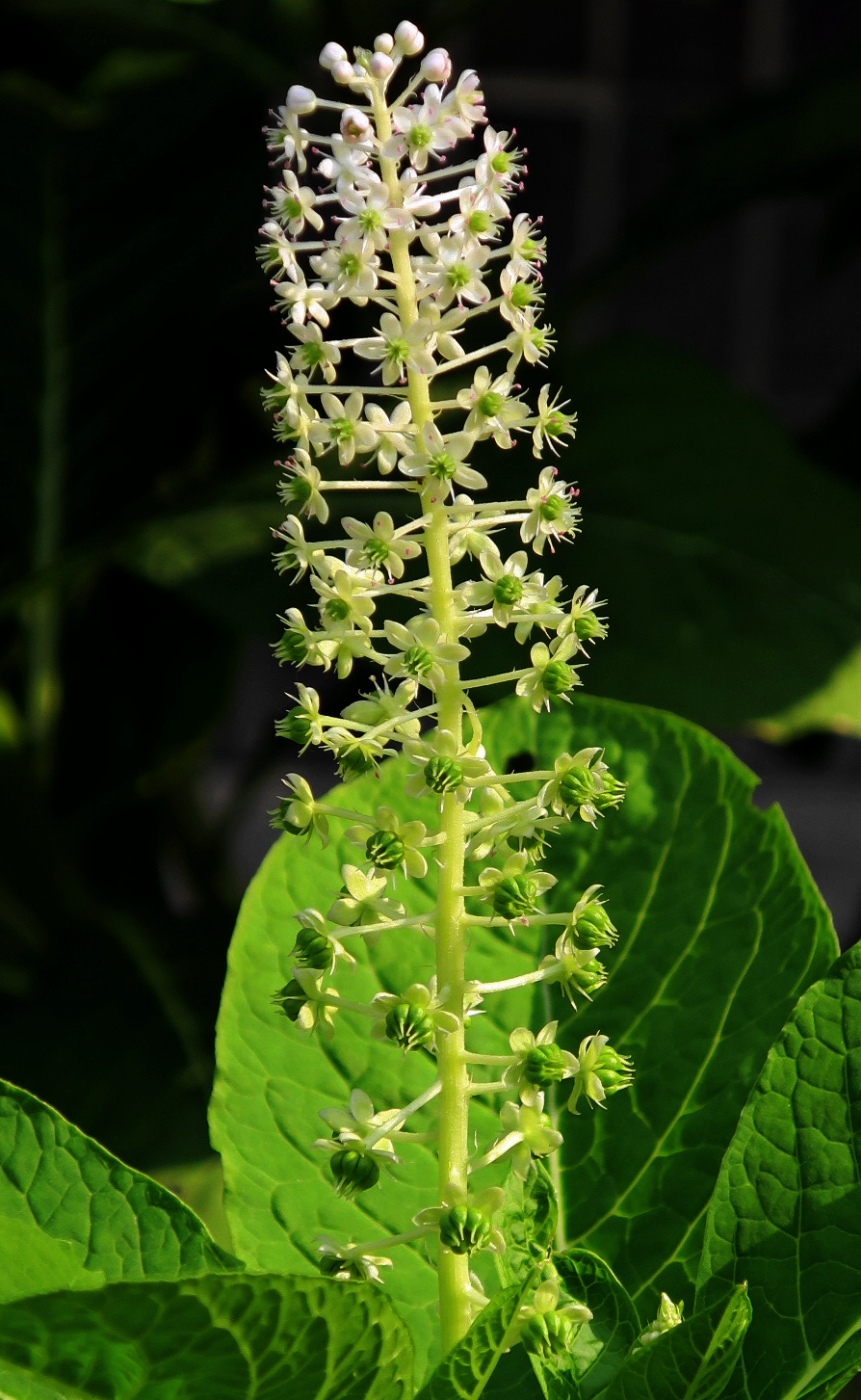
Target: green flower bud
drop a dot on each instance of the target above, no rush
(464, 1229)
(281, 822)
(385, 849)
(292, 647)
(354, 1171)
(443, 774)
(508, 590)
(514, 896)
(409, 1026)
(543, 1065)
(296, 725)
(291, 998)
(557, 677)
(312, 949)
(549, 1334)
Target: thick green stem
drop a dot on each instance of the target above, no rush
(453, 1143)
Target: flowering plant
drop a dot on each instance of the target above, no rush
(444, 899)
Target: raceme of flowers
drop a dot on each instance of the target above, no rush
(377, 208)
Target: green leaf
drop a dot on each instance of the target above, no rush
(693, 1361)
(73, 1216)
(714, 573)
(786, 1212)
(528, 1221)
(721, 930)
(837, 706)
(207, 1339)
(601, 1345)
(464, 1373)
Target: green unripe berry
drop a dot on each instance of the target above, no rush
(595, 926)
(514, 896)
(557, 677)
(521, 295)
(490, 403)
(355, 762)
(417, 662)
(281, 821)
(589, 978)
(354, 1171)
(508, 590)
(613, 1070)
(552, 508)
(578, 786)
(612, 793)
(292, 647)
(296, 725)
(291, 998)
(464, 1229)
(587, 626)
(543, 1065)
(443, 774)
(549, 1334)
(409, 1026)
(385, 850)
(313, 949)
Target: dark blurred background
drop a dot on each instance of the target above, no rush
(697, 165)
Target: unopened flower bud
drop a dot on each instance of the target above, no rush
(514, 896)
(354, 124)
(436, 66)
(409, 1026)
(300, 100)
(380, 65)
(409, 38)
(544, 1065)
(331, 54)
(291, 998)
(464, 1229)
(313, 949)
(385, 849)
(549, 1334)
(443, 774)
(354, 1171)
(384, 43)
(343, 72)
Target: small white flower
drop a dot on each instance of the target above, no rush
(551, 423)
(549, 676)
(493, 412)
(392, 442)
(379, 546)
(292, 205)
(442, 459)
(463, 105)
(345, 599)
(446, 766)
(422, 651)
(528, 1133)
(387, 708)
(551, 514)
(362, 900)
(347, 1263)
(349, 269)
(301, 487)
(399, 349)
(454, 273)
(304, 299)
(313, 352)
(347, 166)
(343, 427)
(420, 131)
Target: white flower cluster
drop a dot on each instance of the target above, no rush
(378, 212)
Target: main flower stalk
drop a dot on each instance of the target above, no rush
(428, 251)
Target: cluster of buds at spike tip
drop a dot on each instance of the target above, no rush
(375, 213)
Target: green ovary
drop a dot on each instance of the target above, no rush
(442, 466)
(507, 590)
(420, 136)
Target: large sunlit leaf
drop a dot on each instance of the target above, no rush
(466, 1371)
(721, 929)
(207, 1339)
(786, 1213)
(72, 1216)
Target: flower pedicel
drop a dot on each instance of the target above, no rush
(380, 211)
